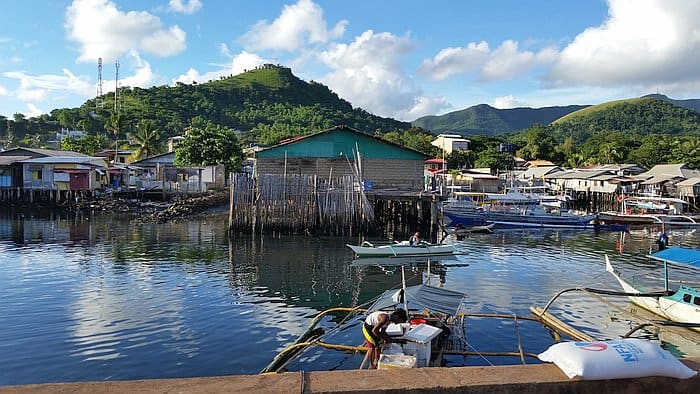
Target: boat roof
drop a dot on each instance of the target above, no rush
(424, 296)
(679, 255)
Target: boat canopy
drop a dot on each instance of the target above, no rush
(424, 297)
(678, 255)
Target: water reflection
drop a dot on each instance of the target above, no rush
(94, 297)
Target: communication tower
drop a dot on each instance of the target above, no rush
(99, 101)
(116, 85)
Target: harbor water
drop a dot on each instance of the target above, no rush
(92, 298)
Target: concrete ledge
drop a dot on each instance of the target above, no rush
(523, 379)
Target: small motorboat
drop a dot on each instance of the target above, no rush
(404, 248)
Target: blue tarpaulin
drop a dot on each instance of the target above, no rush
(679, 255)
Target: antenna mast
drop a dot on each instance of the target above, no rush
(116, 85)
(99, 101)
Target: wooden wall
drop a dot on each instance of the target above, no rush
(384, 173)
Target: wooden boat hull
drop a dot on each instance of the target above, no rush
(402, 250)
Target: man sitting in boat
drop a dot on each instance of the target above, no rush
(415, 239)
(374, 330)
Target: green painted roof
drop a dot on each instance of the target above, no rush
(338, 142)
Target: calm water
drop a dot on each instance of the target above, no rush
(95, 298)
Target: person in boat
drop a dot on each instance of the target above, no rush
(663, 239)
(415, 239)
(374, 331)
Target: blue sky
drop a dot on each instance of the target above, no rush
(402, 59)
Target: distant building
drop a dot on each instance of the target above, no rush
(173, 142)
(450, 143)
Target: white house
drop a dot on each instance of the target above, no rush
(450, 143)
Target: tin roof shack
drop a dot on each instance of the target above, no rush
(159, 173)
(11, 171)
(11, 167)
(689, 188)
(64, 173)
(592, 180)
(534, 176)
(661, 180)
(331, 154)
(476, 181)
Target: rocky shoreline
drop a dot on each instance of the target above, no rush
(142, 212)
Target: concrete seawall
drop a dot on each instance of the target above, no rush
(523, 379)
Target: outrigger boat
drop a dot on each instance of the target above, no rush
(682, 305)
(404, 248)
(436, 329)
(640, 211)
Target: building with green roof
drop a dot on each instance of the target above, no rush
(332, 153)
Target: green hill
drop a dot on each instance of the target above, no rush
(640, 116)
(268, 103)
(486, 120)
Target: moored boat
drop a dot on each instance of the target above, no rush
(403, 248)
(682, 305)
(642, 211)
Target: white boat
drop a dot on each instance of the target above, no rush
(681, 305)
(403, 248)
(651, 210)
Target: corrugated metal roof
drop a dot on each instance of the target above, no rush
(314, 145)
(44, 152)
(689, 182)
(7, 160)
(98, 161)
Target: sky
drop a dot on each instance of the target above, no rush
(395, 58)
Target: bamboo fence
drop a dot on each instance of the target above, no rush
(298, 204)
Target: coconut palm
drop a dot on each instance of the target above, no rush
(148, 139)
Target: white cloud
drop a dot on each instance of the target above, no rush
(3, 91)
(239, 63)
(451, 61)
(102, 30)
(34, 111)
(425, 106)
(502, 63)
(298, 25)
(35, 87)
(368, 74)
(646, 44)
(187, 7)
(508, 101)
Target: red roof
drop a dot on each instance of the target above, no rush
(435, 161)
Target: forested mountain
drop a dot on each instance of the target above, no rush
(483, 119)
(693, 104)
(641, 117)
(268, 103)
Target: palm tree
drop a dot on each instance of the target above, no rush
(149, 140)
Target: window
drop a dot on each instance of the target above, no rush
(696, 301)
(686, 298)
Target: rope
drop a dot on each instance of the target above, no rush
(517, 334)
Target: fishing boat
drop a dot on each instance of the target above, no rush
(519, 216)
(403, 248)
(683, 304)
(435, 330)
(651, 210)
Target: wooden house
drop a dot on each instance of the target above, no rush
(661, 179)
(64, 173)
(159, 172)
(592, 180)
(11, 167)
(332, 153)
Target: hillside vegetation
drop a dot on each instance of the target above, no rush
(483, 119)
(640, 116)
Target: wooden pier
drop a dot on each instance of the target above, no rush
(299, 204)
